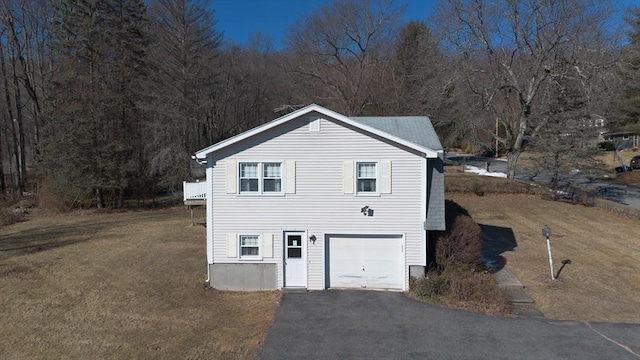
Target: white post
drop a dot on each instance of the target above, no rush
(546, 232)
(550, 259)
(497, 137)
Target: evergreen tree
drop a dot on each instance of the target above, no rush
(630, 66)
(182, 60)
(99, 48)
(566, 145)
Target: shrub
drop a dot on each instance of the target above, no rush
(460, 280)
(430, 286)
(452, 210)
(9, 216)
(475, 289)
(478, 189)
(607, 145)
(461, 243)
(482, 185)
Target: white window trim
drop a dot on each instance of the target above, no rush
(355, 178)
(261, 179)
(249, 257)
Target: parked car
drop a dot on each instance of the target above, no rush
(635, 162)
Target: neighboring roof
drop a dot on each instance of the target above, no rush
(416, 129)
(398, 130)
(620, 133)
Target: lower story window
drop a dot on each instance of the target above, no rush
(249, 246)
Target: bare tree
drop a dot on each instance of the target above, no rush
(511, 49)
(25, 36)
(336, 49)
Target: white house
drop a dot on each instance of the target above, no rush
(317, 200)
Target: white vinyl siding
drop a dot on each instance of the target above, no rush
(230, 178)
(232, 246)
(322, 164)
(347, 177)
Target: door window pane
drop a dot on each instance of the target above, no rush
(294, 253)
(294, 246)
(294, 240)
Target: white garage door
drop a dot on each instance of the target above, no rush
(365, 261)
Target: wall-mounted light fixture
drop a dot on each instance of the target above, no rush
(312, 239)
(366, 211)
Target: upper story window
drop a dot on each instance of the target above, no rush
(366, 177)
(249, 180)
(272, 177)
(260, 178)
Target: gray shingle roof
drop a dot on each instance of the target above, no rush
(415, 129)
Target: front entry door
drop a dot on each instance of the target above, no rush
(294, 264)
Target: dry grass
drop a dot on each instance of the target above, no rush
(481, 185)
(126, 285)
(611, 162)
(603, 281)
(631, 178)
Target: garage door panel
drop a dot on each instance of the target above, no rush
(365, 262)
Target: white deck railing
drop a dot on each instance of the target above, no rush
(194, 190)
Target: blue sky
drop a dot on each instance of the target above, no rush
(238, 19)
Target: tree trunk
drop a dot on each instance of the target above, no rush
(99, 198)
(3, 184)
(22, 166)
(512, 160)
(11, 125)
(120, 203)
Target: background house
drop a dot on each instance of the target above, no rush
(623, 140)
(315, 200)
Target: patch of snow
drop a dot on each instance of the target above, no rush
(483, 172)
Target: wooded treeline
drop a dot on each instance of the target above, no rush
(106, 100)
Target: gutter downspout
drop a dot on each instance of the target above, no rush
(209, 212)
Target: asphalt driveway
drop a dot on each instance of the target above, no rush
(338, 324)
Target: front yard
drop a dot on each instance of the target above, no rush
(129, 285)
(602, 283)
(125, 285)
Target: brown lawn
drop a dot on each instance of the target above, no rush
(603, 281)
(125, 285)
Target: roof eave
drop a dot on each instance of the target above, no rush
(428, 153)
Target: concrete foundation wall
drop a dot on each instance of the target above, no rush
(417, 271)
(243, 277)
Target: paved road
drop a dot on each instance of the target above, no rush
(338, 324)
(605, 189)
